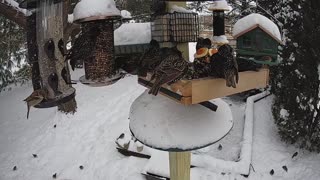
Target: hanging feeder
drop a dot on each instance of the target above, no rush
(97, 49)
(49, 72)
(218, 8)
(258, 39)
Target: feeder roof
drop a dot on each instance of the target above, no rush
(253, 21)
(219, 5)
(95, 10)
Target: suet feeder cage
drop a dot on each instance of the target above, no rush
(98, 57)
(46, 48)
(175, 27)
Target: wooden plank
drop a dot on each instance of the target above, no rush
(204, 90)
(180, 165)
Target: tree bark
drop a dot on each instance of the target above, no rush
(13, 14)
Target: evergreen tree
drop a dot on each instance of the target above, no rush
(296, 82)
(12, 50)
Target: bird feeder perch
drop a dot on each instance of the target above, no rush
(50, 73)
(98, 54)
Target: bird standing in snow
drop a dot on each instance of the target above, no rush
(224, 65)
(172, 68)
(36, 98)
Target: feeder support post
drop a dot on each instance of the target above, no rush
(180, 165)
(183, 47)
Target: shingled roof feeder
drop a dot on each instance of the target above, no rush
(98, 31)
(46, 58)
(218, 8)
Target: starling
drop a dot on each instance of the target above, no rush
(35, 155)
(36, 98)
(81, 167)
(54, 176)
(15, 168)
(53, 81)
(49, 49)
(220, 147)
(64, 75)
(294, 155)
(224, 65)
(285, 168)
(61, 47)
(203, 43)
(170, 69)
(55, 126)
(271, 172)
(150, 59)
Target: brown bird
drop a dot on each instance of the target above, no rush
(35, 98)
(170, 69)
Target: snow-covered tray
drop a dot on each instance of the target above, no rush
(163, 124)
(195, 91)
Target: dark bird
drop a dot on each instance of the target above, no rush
(224, 65)
(172, 68)
(150, 59)
(49, 49)
(54, 176)
(285, 168)
(81, 167)
(65, 76)
(34, 155)
(15, 168)
(55, 126)
(294, 155)
(53, 81)
(220, 147)
(36, 98)
(271, 172)
(203, 43)
(61, 47)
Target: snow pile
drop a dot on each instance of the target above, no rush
(180, 9)
(220, 5)
(70, 18)
(126, 14)
(220, 39)
(89, 8)
(254, 20)
(133, 33)
(14, 4)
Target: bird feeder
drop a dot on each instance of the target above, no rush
(98, 33)
(258, 39)
(49, 73)
(218, 8)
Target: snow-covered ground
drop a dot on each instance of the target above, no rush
(63, 143)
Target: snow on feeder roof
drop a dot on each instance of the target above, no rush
(253, 21)
(90, 10)
(126, 14)
(219, 5)
(133, 33)
(176, 8)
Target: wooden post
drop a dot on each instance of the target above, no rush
(180, 165)
(183, 47)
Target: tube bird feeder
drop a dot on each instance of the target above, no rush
(50, 74)
(96, 42)
(218, 8)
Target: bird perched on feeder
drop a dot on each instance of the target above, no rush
(172, 68)
(150, 59)
(36, 98)
(49, 49)
(224, 65)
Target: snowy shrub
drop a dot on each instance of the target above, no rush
(296, 82)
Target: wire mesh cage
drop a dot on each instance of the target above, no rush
(175, 27)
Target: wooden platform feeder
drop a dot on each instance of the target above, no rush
(196, 91)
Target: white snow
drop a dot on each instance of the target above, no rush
(180, 9)
(126, 14)
(219, 5)
(252, 20)
(90, 8)
(284, 113)
(133, 33)
(70, 18)
(220, 39)
(14, 4)
(161, 123)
